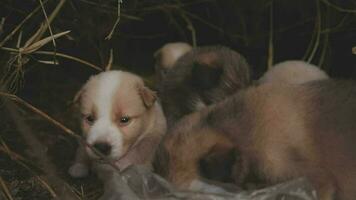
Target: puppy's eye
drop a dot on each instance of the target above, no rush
(89, 118)
(125, 120)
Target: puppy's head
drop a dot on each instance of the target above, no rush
(116, 109)
(167, 56)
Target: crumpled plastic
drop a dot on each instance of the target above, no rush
(137, 182)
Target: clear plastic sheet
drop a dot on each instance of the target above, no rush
(139, 183)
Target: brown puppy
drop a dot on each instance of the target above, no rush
(282, 132)
(121, 119)
(200, 77)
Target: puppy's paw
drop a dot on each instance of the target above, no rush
(78, 170)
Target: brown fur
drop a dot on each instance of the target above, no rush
(203, 76)
(282, 131)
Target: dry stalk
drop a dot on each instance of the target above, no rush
(17, 28)
(318, 30)
(59, 55)
(109, 36)
(110, 61)
(47, 25)
(270, 42)
(5, 189)
(190, 28)
(327, 2)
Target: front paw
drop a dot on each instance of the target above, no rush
(78, 170)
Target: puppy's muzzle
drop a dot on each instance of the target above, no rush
(103, 148)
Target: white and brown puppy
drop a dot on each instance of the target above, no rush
(167, 56)
(281, 131)
(121, 119)
(294, 72)
(202, 76)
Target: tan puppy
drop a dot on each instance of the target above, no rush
(121, 119)
(281, 131)
(294, 72)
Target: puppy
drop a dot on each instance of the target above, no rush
(167, 56)
(294, 72)
(121, 119)
(281, 131)
(202, 76)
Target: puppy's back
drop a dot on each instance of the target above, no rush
(334, 128)
(293, 71)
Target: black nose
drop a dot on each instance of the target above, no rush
(103, 148)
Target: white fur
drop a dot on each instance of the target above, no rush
(171, 52)
(198, 185)
(103, 130)
(79, 170)
(199, 104)
(293, 72)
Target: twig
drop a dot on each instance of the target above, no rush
(338, 8)
(58, 54)
(213, 26)
(8, 37)
(111, 59)
(71, 58)
(108, 37)
(48, 24)
(318, 29)
(270, 42)
(5, 189)
(190, 28)
(2, 22)
(324, 50)
(50, 19)
(105, 8)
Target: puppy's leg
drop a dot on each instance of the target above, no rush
(240, 170)
(81, 165)
(324, 185)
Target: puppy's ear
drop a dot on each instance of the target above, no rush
(148, 96)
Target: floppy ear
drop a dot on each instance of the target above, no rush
(148, 96)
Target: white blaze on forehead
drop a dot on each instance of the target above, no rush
(108, 84)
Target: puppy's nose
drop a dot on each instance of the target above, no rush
(103, 148)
